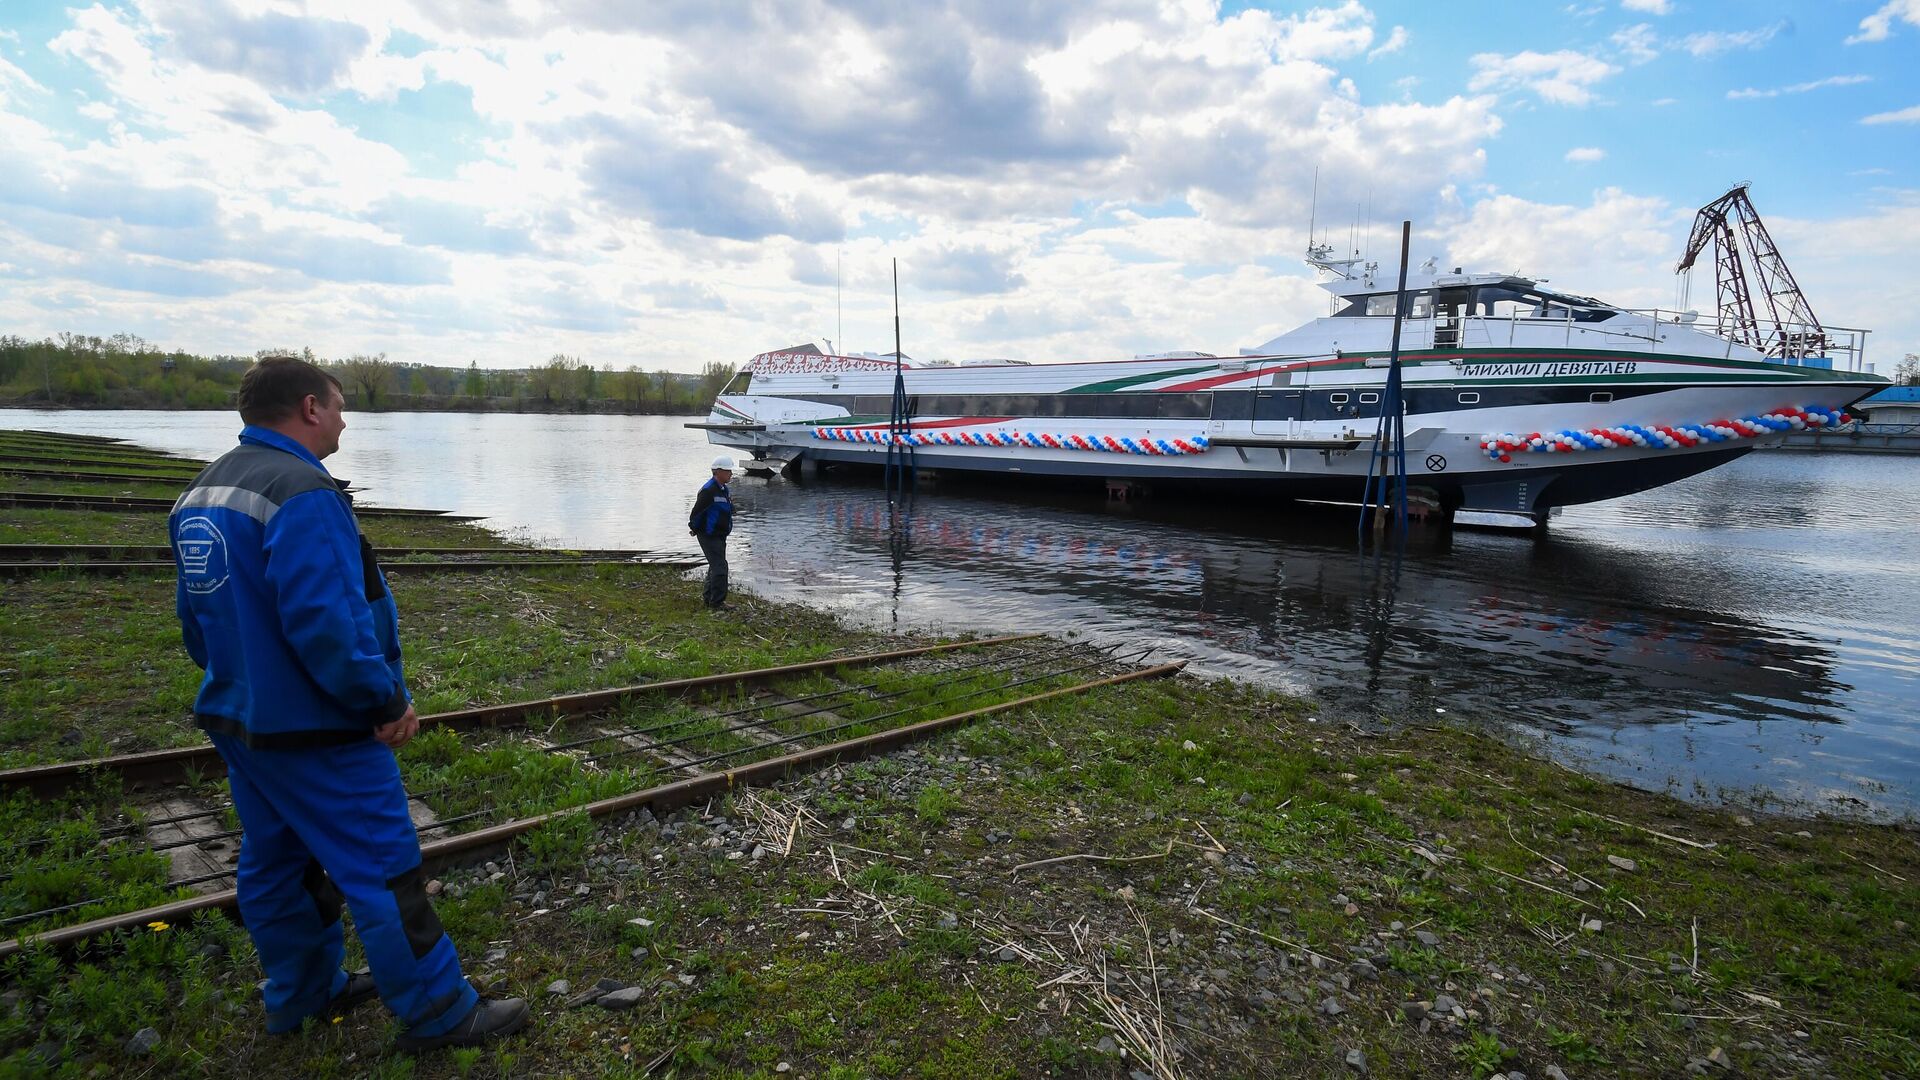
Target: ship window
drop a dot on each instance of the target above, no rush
(1381, 305)
(1182, 406)
(1337, 398)
(1600, 395)
(1421, 307)
(1471, 397)
(739, 383)
(1369, 399)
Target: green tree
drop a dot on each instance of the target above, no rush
(367, 376)
(475, 384)
(1907, 371)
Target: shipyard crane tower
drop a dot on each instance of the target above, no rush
(1739, 238)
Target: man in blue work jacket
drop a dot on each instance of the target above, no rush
(282, 604)
(710, 522)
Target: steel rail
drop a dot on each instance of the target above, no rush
(65, 437)
(626, 733)
(178, 477)
(664, 744)
(103, 568)
(19, 455)
(662, 799)
(28, 552)
(109, 833)
(59, 500)
(656, 770)
(173, 763)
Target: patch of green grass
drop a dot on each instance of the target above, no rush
(934, 804)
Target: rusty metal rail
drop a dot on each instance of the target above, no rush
(854, 692)
(660, 799)
(16, 455)
(181, 478)
(178, 763)
(57, 500)
(99, 567)
(31, 552)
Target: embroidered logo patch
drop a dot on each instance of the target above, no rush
(202, 552)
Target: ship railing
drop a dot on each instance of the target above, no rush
(1801, 344)
(1839, 347)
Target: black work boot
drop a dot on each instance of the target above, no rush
(491, 1018)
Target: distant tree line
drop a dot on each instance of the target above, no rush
(1907, 371)
(125, 372)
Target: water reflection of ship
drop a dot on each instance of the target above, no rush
(1558, 637)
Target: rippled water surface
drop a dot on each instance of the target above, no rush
(1752, 629)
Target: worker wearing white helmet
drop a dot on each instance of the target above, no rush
(710, 522)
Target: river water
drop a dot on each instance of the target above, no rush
(1746, 633)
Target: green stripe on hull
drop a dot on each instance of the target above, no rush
(1111, 385)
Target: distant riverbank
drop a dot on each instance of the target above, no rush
(393, 403)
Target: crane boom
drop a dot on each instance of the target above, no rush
(1732, 225)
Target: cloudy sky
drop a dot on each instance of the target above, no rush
(683, 181)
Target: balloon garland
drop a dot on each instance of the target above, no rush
(1662, 437)
(1112, 444)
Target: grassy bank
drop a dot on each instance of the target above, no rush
(1181, 878)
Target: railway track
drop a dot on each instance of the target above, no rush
(82, 552)
(136, 504)
(649, 745)
(22, 560)
(97, 566)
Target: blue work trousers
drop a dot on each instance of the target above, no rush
(323, 826)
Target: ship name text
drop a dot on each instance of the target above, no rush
(1552, 370)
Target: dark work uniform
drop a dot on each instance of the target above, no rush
(282, 605)
(710, 522)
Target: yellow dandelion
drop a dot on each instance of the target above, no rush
(157, 926)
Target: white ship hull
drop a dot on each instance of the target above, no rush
(1517, 400)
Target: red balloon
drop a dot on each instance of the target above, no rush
(1506, 457)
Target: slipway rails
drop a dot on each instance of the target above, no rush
(444, 566)
(52, 500)
(683, 770)
(11, 553)
(21, 560)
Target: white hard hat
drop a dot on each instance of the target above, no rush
(723, 462)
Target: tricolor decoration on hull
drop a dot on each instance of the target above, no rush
(1112, 444)
(1503, 447)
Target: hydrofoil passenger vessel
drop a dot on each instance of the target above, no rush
(1519, 398)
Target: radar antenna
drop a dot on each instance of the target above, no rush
(1734, 228)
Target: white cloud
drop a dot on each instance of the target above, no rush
(1637, 43)
(1879, 25)
(12, 78)
(1799, 88)
(584, 169)
(1715, 42)
(1650, 7)
(1909, 115)
(1586, 154)
(1564, 78)
(1394, 43)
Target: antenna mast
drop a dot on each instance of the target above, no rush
(1313, 207)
